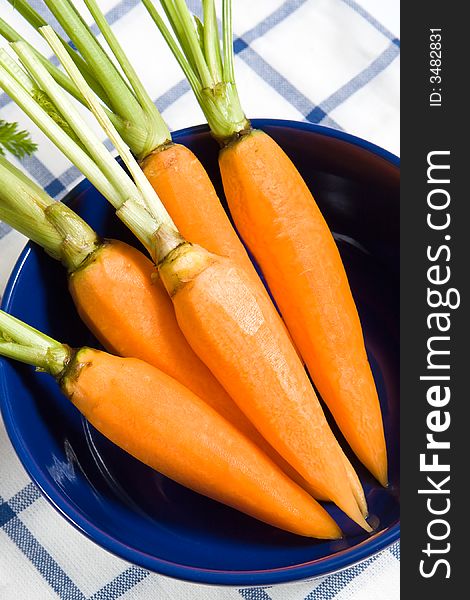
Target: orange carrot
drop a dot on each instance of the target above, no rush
(281, 223)
(239, 335)
(283, 228)
(166, 426)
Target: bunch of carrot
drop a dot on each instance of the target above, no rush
(253, 422)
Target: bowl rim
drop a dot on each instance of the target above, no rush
(306, 571)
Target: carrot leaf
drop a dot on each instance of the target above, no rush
(16, 141)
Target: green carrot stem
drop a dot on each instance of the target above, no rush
(79, 241)
(181, 58)
(136, 137)
(55, 133)
(42, 198)
(12, 36)
(122, 186)
(28, 13)
(23, 209)
(17, 72)
(147, 196)
(189, 31)
(14, 330)
(33, 90)
(177, 25)
(43, 234)
(36, 21)
(129, 107)
(157, 130)
(51, 224)
(53, 360)
(227, 28)
(215, 90)
(26, 344)
(135, 201)
(29, 86)
(199, 32)
(211, 40)
(121, 100)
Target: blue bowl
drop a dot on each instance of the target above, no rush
(133, 511)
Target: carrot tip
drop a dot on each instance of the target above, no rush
(382, 478)
(368, 528)
(360, 520)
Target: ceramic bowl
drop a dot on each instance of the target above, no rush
(133, 511)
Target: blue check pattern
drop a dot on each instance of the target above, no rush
(360, 58)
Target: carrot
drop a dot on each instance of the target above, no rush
(141, 210)
(239, 335)
(160, 422)
(282, 226)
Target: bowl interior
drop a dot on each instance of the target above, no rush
(141, 515)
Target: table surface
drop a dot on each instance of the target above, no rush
(332, 62)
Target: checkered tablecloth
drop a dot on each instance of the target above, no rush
(333, 62)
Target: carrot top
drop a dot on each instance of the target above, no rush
(125, 99)
(26, 344)
(207, 64)
(134, 199)
(49, 223)
(29, 209)
(131, 194)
